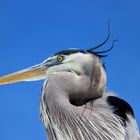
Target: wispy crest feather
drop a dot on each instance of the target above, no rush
(102, 53)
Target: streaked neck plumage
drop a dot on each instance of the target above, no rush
(67, 121)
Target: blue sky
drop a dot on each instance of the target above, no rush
(31, 31)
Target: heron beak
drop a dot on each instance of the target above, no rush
(37, 72)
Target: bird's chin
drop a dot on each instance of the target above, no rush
(67, 71)
(75, 72)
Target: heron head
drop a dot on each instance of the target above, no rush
(71, 64)
(73, 61)
(76, 61)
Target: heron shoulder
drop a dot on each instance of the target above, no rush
(121, 107)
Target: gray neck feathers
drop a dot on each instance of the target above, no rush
(65, 121)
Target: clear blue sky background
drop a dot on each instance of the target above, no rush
(31, 31)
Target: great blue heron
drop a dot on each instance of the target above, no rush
(74, 103)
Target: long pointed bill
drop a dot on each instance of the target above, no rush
(37, 72)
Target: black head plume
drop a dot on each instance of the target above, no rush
(102, 53)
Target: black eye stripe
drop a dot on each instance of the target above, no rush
(70, 51)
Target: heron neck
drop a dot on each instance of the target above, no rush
(66, 90)
(62, 118)
(55, 97)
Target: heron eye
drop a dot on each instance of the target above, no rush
(60, 58)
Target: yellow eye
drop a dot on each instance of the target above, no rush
(60, 58)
